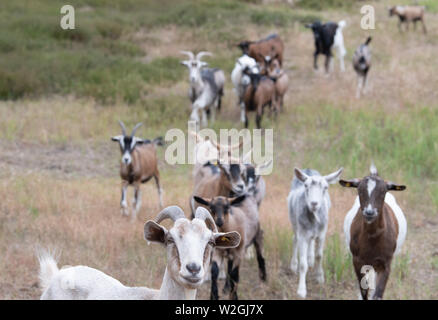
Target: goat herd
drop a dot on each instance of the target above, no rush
(226, 197)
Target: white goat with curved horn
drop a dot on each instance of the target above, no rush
(188, 244)
(206, 86)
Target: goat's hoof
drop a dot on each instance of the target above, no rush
(302, 292)
(294, 267)
(319, 278)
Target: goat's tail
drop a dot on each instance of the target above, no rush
(367, 42)
(341, 24)
(158, 141)
(48, 268)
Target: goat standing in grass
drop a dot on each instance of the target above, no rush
(206, 87)
(328, 36)
(408, 14)
(362, 64)
(241, 80)
(280, 78)
(375, 229)
(139, 164)
(309, 205)
(188, 245)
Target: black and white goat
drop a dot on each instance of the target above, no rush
(328, 36)
(206, 86)
(362, 64)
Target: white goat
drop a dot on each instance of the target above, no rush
(189, 245)
(241, 80)
(206, 86)
(309, 205)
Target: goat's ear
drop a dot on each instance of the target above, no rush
(154, 232)
(354, 183)
(117, 138)
(185, 63)
(300, 175)
(227, 240)
(333, 177)
(391, 186)
(237, 200)
(199, 200)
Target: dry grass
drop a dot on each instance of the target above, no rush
(59, 182)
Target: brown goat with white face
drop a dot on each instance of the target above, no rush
(138, 165)
(375, 229)
(239, 214)
(408, 14)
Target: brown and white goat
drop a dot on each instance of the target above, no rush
(408, 14)
(138, 165)
(240, 215)
(280, 78)
(375, 229)
(269, 46)
(258, 94)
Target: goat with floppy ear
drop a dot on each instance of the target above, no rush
(375, 229)
(138, 165)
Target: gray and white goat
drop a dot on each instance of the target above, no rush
(206, 86)
(309, 205)
(362, 64)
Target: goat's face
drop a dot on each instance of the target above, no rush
(194, 67)
(220, 207)
(316, 187)
(274, 69)
(233, 177)
(127, 145)
(391, 11)
(371, 190)
(250, 177)
(189, 245)
(244, 46)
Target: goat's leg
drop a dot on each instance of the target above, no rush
(363, 290)
(365, 83)
(341, 60)
(359, 86)
(160, 190)
(258, 244)
(315, 60)
(214, 295)
(242, 112)
(294, 260)
(123, 202)
(303, 245)
(424, 26)
(399, 25)
(204, 121)
(259, 116)
(327, 63)
(319, 274)
(233, 272)
(381, 280)
(311, 253)
(136, 202)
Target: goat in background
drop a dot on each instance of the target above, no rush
(362, 64)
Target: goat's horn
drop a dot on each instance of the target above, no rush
(123, 127)
(203, 53)
(188, 53)
(138, 125)
(203, 214)
(172, 212)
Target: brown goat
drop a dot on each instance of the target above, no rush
(139, 164)
(241, 215)
(258, 94)
(375, 229)
(280, 78)
(270, 46)
(408, 14)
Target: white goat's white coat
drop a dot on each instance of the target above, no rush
(241, 81)
(309, 205)
(392, 203)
